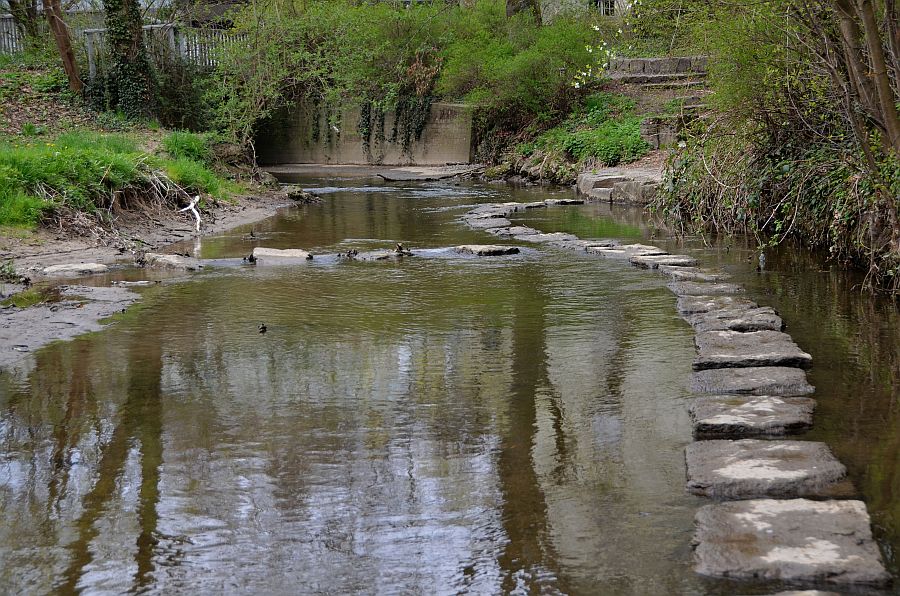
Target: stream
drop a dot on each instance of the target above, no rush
(439, 424)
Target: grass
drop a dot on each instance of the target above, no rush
(604, 129)
(85, 170)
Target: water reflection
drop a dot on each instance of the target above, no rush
(439, 425)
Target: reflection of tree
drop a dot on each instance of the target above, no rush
(524, 508)
(140, 424)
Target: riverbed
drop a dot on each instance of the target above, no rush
(434, 424)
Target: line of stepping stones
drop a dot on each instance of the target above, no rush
(751, 386)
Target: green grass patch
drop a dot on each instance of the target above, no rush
(603, 129)
(188, 145)
(84, 170)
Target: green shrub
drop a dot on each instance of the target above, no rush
(187, 145)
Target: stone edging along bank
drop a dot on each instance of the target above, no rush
(750, 381)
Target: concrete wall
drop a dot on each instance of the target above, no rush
(299, 134)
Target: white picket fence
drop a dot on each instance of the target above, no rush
(194, 45)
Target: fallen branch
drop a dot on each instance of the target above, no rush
(192, 207)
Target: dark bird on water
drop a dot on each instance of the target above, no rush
(250, 259)
(261, 327)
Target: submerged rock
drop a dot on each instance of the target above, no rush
(292, 254)
(71, 269)
(788, 540)
(734, 349)
(739, 416)
(486, 250)
(763, 380)
(177, 262)
(751, 468)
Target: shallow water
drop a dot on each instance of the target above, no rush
(437, 425)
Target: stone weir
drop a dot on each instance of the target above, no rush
(781, 509)
(306, 133)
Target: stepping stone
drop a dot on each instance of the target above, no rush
(541, 238)
(486, 215)
(626, 251)
(763, 380)
(695, 288)
(693, 274)
(381, 255)
(739, 416)
(795, 540)
(486, 250)
(763, 318)
(689, 305)
(75, 269)
(535, 205)
(514, 231)
(733, 349)
(293, 254)
(160, 261)
(489, 222)
(552, 202)
(654, 261)
(751, 468)
(600, 243)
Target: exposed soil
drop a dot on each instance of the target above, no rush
(129, 234)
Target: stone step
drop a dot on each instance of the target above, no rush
(763, 380)
(751, 468)
(696, 288)
(742, 416)
(486, 250)
(763, 318)
(655, 78)
(736, 349)
(795, 540)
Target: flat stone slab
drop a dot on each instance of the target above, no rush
(751, 468)
(734, 349)
(763, 318)
(75, 269)
(489, 222)
(693, 274)
(381, 255)
(177, 262)
(696, 288)
(794, 540)
(294, 254)
(486, 250)
(689, 305)
(654, 261)
(512, 231)
(552, 202)
(542, 238)
(740, 416)
(626, 251)
(762, 380)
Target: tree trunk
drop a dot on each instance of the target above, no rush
(129, 79)
(54, 13)
(886, 99)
